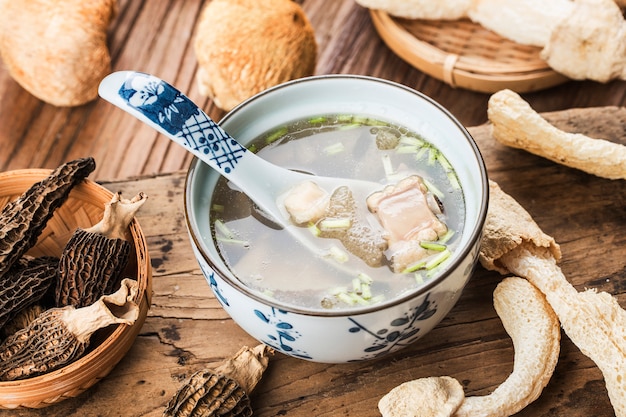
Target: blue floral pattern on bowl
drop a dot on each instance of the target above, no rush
(402, 331)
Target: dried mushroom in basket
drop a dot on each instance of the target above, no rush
(93, 259)
(58, 336)
(25, 284)
(222, 391)
(23, 220)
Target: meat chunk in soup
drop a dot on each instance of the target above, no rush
(408, 218)
(306, 202)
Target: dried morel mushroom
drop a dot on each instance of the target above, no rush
(25, 284)
(60, 335)
(93, 259)
(224, 390)
(23, 220)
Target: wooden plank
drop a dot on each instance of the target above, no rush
(186, 330)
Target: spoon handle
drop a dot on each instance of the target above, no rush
(169, 111)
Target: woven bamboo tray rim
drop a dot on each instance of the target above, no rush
(464, 54)
(83, 208)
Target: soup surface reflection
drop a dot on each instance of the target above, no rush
(334, 276)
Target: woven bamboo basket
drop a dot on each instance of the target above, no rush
(83, 208)
(466, 55)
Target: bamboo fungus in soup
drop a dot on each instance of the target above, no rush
(381, 258)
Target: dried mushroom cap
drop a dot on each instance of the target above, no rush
(224, 390)
(431, 397)
(57, 50)
(25, 284)
(93, 259)
(23, 220)
(60, 335)
(501, 235)
(208, 394)
(246, 46)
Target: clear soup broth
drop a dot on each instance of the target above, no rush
(268, 259)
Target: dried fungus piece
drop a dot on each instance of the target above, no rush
(57, 50)
(536, 334)
(589, 42)
(438, 396)
(60, 335)
(223, 391)
(594, 321)
(246, 46)
(357, 236)
(23, 220)
(534, 329)
(517, 125)
(93, 259)
(25, 284)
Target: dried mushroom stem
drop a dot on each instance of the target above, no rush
(60, 335)
(594, 321)
(534, 329)
(224, 390)
(517, 125)
(118, 213)
(93, 259)
(23, 220)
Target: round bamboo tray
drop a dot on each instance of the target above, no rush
(464, 54)
(83, 208)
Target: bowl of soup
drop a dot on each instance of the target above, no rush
(384, 268)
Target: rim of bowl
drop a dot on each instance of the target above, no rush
(462, 252)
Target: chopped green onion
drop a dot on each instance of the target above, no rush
(412, 141)
(221, 227)
(223, 239)
(438, 259)
(433, 246)
(338, 255)
(315, 231)
(320, 119)
(356, 285)
(444, 162)
(334, 149)
(415, 266)
(365, 279)
(366, 291)
(276, 135)
(331, 224)
(387, 165)
(432, 156)
(252, 148)
(445, 238)
(421, 153)
(432, 188)
(218, 208)
(454, 180)
(350, 126)
(346, 298)
(419, 278)
(345, 118)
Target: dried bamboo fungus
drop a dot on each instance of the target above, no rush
(517, 125)
(594, 321)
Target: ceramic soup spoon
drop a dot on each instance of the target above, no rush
(163, 107)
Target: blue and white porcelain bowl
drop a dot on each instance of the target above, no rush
(338, 336)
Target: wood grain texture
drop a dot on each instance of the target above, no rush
(186, 330)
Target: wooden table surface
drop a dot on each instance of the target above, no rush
(186, 329)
